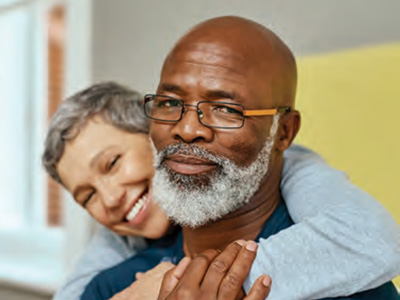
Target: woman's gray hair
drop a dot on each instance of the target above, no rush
(116, 104)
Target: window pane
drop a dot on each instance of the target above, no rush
(14, 117)
(31, 76)
(7, 2)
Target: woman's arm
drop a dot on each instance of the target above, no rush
(106, 249)
(344, 240)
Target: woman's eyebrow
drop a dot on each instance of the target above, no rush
(95, 159)
(98, 156)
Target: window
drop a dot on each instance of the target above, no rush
(34, 73)
(20, 117)
(31, 56)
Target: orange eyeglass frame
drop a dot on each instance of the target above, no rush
(265, 112)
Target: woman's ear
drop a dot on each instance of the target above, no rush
(288, 129)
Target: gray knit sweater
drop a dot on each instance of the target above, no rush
(343, 241)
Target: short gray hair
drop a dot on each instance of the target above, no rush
(116, 104)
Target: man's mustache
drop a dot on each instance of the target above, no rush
(188, 150)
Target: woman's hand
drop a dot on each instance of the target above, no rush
(215, 275)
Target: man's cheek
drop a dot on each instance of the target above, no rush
(240, 152)
(159, 135)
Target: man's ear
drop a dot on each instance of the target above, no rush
(288, 129)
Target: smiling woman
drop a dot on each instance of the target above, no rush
(109, 177)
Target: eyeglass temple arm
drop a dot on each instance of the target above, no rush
(265, 112)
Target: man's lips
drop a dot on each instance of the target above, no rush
(189, 165)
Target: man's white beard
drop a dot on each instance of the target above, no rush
(195, 200)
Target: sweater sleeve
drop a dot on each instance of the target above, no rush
(344, 240)
(105, 250)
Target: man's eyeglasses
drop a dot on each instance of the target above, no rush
(215, 114)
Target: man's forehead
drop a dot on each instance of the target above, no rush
(217, 67)
(212, 47)
(208, 53)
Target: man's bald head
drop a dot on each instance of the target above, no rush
(264, 55)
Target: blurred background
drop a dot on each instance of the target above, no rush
(348, 55)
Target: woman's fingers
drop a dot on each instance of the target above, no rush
(139, 275)
(260, 288)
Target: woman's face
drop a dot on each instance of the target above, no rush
(108, 172)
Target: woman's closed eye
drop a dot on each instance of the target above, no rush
(113, 162)
(87, 199)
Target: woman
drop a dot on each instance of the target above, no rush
(97, 148)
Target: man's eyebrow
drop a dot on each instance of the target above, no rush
(211, 94)
(173, 88)
(221, 94)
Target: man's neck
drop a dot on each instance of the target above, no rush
(244, 224)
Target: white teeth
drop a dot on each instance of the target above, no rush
(135, 209)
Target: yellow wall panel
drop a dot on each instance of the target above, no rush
(350, 104)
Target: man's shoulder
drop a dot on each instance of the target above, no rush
(280, 219)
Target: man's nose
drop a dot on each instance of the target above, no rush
(189, 129)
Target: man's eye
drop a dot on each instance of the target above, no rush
(228, 110)
(113, 162)
(168, 103)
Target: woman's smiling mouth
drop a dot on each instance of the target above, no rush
(137, 208)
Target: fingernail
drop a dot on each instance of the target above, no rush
(185, 260)
(266, 281)
(181, 267)
(241, 242)
(251, 246)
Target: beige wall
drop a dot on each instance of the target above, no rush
(132, 37)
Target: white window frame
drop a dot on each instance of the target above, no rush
(78, 67)
(59, 246)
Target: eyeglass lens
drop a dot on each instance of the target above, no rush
(212, 113)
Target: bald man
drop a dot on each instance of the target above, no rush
(223, 115)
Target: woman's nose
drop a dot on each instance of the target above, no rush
(112, 195)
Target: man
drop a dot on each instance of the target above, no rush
(223, 116)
